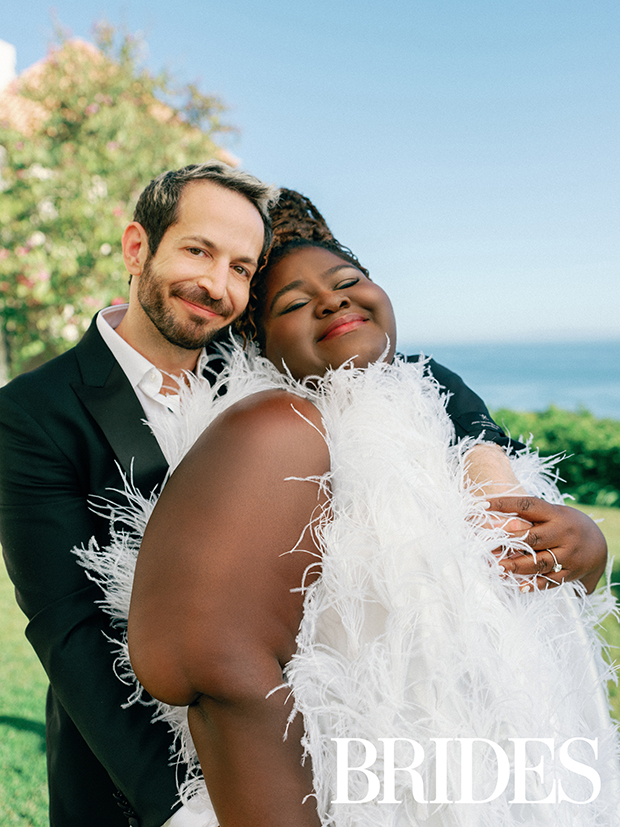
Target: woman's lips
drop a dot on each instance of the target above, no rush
(342, 325)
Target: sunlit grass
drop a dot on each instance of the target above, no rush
(610, 526)
(23, 782)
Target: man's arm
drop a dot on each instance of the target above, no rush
(469, 415)
(43, 514)
(216, 604)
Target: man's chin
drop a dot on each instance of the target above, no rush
(193, 343)
(189, 332)
(198, 338)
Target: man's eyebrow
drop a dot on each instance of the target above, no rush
(200, 239)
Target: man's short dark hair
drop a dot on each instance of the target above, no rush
(158, 204)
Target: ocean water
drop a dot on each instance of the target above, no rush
(530, 377)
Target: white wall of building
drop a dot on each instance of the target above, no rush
(7, 63)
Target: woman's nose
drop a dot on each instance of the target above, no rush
(332, 303)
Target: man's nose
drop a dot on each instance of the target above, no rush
(215, 279)
(331, 303)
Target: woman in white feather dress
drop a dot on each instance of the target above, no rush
(414, 656)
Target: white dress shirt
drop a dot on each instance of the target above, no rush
(146, 380)
(184, 817)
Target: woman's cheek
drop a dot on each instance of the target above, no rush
(280, 340)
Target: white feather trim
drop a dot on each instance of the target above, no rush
(410, 632)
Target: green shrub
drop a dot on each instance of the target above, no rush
(591, 469)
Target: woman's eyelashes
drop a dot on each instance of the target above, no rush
(347, 283)
(298, 303)
(294, 306)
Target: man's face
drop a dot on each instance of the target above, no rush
(199, 280)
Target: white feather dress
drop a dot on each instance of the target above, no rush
(410, 634)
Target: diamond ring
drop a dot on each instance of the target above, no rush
(557, 566)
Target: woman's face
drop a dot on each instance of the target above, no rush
(321, 311)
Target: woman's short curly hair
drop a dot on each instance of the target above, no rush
(296, 224)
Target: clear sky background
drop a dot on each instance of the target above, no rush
(466, 150)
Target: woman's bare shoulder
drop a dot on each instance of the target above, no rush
(275, 406)
(270, 429)
(271, 416)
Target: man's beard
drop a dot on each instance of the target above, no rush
(190, 334)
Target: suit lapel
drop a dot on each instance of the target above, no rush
(109, 398)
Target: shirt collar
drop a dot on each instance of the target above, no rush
(140, 372)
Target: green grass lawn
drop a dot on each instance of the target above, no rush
(23, 782)
(23, 791)
(610, 526)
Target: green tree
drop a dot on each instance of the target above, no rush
(100, 127)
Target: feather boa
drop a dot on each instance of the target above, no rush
(410, 633)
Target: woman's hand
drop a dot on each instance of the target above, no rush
(574, 538)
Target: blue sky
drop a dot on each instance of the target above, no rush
(468, 151)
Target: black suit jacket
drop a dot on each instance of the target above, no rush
(63, 428)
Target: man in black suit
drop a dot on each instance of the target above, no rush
(197, 238)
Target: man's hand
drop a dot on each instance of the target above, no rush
(574, 538)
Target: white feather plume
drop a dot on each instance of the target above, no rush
(410, 632)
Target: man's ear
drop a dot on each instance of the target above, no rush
(135, 248)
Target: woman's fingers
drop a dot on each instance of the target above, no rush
(538, 567)
(559, 536)
(512, 525)
(533, 510)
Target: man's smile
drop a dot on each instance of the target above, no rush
(200, 309)
(201, 304)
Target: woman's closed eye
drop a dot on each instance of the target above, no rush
(294, 305)
(346, 283)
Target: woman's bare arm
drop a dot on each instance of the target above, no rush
(489, 468)
(214, 617)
